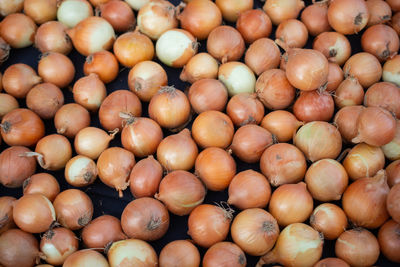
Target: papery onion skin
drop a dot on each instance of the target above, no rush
(102, 63)
(253, 24)
(9, 103)
(365, 67)
(282, 124)
(15, 167)
(358, 247)
(392, 203)
(119, 14)
(145, 177)
(314, 106)
(389, 240)
(380, 12)
(56, 68)
(80, 171)
(181, 253)
(94, 236)
(268, 59)
(207, 94)
(292, 33)
(315, 18)
(249, 189)
(279, 10)
(392, 149)
(381, 41)
(52, 37)
(393, 173)
(231, 9)
(200, 66)
(335, 46)
(18, 79)
(244, 109)
(6, 213)
(223, 253)
(133, 252)
(45, 100)
(331, 262)
(329, 219)
(282, 164)
(7, 8)
(385, 95)
(391, 69)
(92, 141)
(86, 258)
(225, 44)
(70, 119)
(346, 121)
(237, 77)
(349, 93)
(71, 12)
(255, 231)
(18, 30)
(41, 11)
(42, 183)
(181, 192)
(137, 4)
(348, 17)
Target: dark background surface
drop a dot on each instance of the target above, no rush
(105, 199)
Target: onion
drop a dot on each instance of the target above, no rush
(131, 48)
(119, 101)
(21, 127)
(249, 189)
(318, 140)
(393, 174)
(274, 90)
(181, 253)
(329, 219)
(297, 245)
(94, 236)
(392, 149)
(314, 106)
(92, 141)
(91, 35)
(145, 177)
(326, 180)
(18, 248)
(9, 103)
(392, 203)
(389, 241)
(200, 66)
(280, 10)
(349, 93)
(209, 224)
(89, 91)
(18, 80)
(181, 192)
(346, 121)
(237, 77)
(18, 30)
(52, 37)
(315, 18)
(379, 11)
(335, 46)
(114, 166)
(137, 4)
(34, 213)
(74, 209)
(177, 152)
(146, 78)
(42, 183)
(381, 41)
(119, 14)
(291, 33)
(224, 253)
(244, 109)
(70, 119)
(97, 3)
(365, 67)
(225, 44)
(348, 17)
(358, 247)
(80, 171)
(102, 63)
(175, 47)
(7, 8)
(56, 68)
(232, 9)
(71, 12)
(391, 70)
(207, 94)
(57, 244)
(216, 168)
(133, 252)
(335, 77)
(385, 95)
(263, 54)
(282, 124)
(41, 11)
(253, 24)
(141, 136)
(145, 218)
(331, 262)
(45, 100)
(15, 167)
(6, 214)
(86, 258)
(306, 69)
(200, 17)
(170, 108)
(4, 50)
(395, 22)
(394, 5)
(156, 17)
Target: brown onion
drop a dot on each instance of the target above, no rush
(380, 12)
(74, 209)
(315, 18)
(253, 24)
(9, 103)
(89, 92)
(335, 77)
(70, 119)
(42, 183)
(80, 171)
(245, 108)
(200, 66)
(349, 93)
(381, 41)
(231, 9)
(119, 14)
(314, 106)
(393, 173)
(225, 44)
(145, 177)
(263, 54)
(41, 11)
(45, 99)
(207, 94)
(291, 33)
(389, 240)
(15, 167)
(94, 236)
(6, 213)
(392, 203)
(86, 257)
(348, 16)
(52, 37)
(102, 63)
(385, 95)
(181, 192)
(18, 80)
(18, 30)
(92, 141)
(335, 46)
(133, 252)
(181, 253)
(365, 67)
(56, 68)
(329, 219)
(114, 166)
(358, 247)
(224, 253)
(346, 121)
(146, 78)
(392, 149)
(249, 189)
(331, 262)
(282, 124)
(280, 10)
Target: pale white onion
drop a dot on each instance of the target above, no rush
(237, 77)
(71, 12)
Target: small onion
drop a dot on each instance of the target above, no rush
(102, 63)
(18, 30)
(297, 245)
(80, 171)
(358, 247)
(326, 180)
(393, 173)
(94, 236)
(346, 121)
(92, 141)
(237, 77)
(45, 99)
(200, 66)
(86, 258)
(392, 203)
(133, 252)
(280, 10)
(335, 77)
(207, 94)
(291, 33)
(263, 54)
(391, 70)
(52, 37)
(70, 119)
(245, 108)
(380, 12)
(7, 8)
(181, 192)
(249, 189)
(223, 253)
(314, 106)
(329, 219)
(365, 67)
(181, 253)
(231, 9)
(145, 177)
(9, 103)
(348, 16)
(114, 166)
(56, 68)
(335, 46)
(381, 41)
(42, 183)
(282, 124)
(385, 95)
(18, 80)
(216, 168)
(225, 44)
(41, 11)
(119, 14)
(253, 24)
(255, 231)
(315, 18)
(71, 12)
(349, 93)
(89, 91)
(389, 240)
(6, 213)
